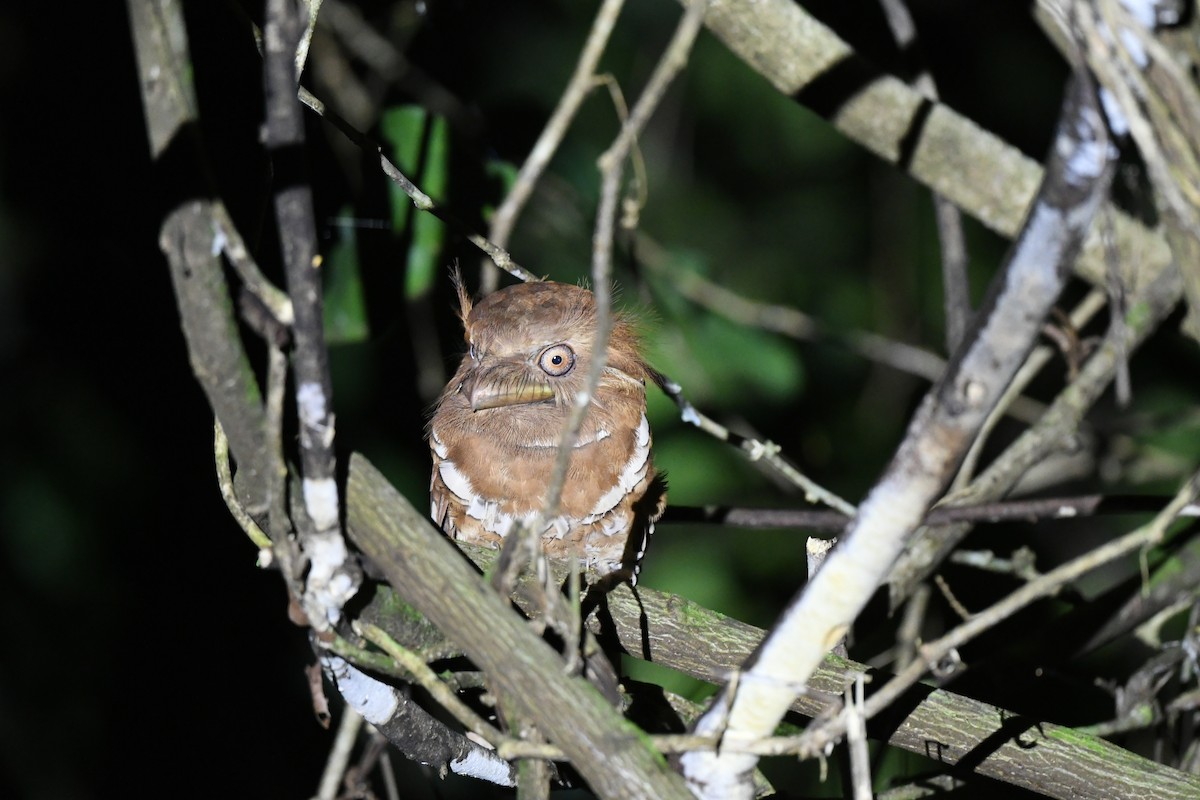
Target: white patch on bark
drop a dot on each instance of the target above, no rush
(374, 700)
(314, 412)
(328, 586)
(321, 502)
(485, 766)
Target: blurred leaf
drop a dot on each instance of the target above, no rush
(420, 147)
(345, 307)
(701, 470)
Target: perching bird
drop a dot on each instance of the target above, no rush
(495, 431)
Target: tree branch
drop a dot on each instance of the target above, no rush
(677, 633)
(942, 429)
(331, 577)
(980, 173)
(424, 566)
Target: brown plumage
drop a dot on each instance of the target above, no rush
(494, 433)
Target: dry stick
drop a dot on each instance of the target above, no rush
(856, 740)
(949, 220)
(932, 543)
(581, 84)
(1077, 176)
(766, 451)
(225, 482)
(420, 673)
(1038, 509)
(234, 247)
(339, 755)
(814, 740)
(908, 632)
(332, 577)
(313, 7)
(1087, 308)
(275, 466)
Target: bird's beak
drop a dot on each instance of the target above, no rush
(505, 384)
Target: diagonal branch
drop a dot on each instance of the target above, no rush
(679, 634)
(980, 173)
(418, 559)
(1077, 177)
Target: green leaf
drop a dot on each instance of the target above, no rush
(420, 147)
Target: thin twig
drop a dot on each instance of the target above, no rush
(1021, 564)
(955, 288)
(229, 239)
(310, 25)
(856, 740)
(225, 481)
(1087, 308)
(611, 164)
(582, 81)
(908, 632)
(276, 468)
(339, 754)
(428, 680)
(1047, 585)
(766, 451)
(829, 521)
(784, 320)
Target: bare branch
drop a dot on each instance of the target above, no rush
(941, 431)
(931, 544)
(978, 172)
(414, 555)
(955, 289)
(332, 577)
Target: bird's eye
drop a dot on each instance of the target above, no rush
(557, 360)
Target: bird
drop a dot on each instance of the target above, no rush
(495, 430)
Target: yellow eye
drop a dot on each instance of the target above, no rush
(557, 360)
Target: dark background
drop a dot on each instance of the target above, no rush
(145, 654)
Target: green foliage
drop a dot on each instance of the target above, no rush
(421, 149)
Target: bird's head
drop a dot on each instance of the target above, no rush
(531, 345)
